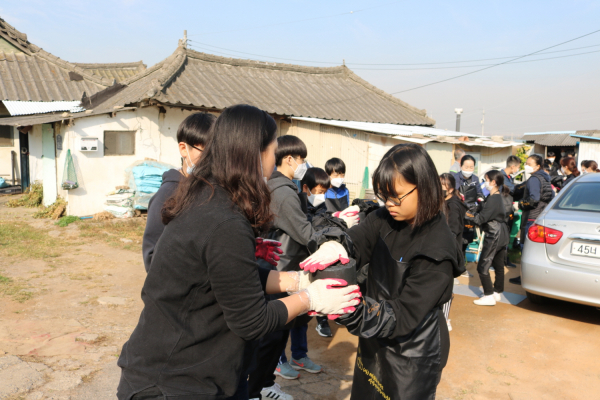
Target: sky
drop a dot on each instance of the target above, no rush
(376, 38)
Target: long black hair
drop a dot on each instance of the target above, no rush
(232, 160)
(450, 182)
(413, 163)
(194, 130)
(496, 176)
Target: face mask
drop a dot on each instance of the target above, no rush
(316, 199)
(528, 169)
(191, 166)
(551, 159)
(381, 203)
(487, 185)
(467, 174)
(584, 172)
(337, 182)
(300, 170)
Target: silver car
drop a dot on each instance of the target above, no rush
(561, 254)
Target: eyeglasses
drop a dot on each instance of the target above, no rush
(399, 201)
(194, 147)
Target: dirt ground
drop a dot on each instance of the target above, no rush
(70, 297)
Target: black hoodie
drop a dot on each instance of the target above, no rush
(154, 225)
(455, 214)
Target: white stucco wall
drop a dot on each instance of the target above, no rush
(5, 160)
(98, 174)
(35, 154)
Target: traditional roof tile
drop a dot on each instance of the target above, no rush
(117, 71)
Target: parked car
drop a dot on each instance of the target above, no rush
(561, 255)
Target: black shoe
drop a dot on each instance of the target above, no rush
(511, 265)
(323, 328)
(515, 281)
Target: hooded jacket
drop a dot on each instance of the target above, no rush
(292, 227)
(154, 225)
(538, 193)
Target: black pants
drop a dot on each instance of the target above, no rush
(486, 280)
(269, 350)
(152, 393)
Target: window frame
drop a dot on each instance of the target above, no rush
(10, 139)
(105, 148)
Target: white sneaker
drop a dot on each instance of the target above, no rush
(275, 392)
(497, 296)
(485, 301)
(449, 326)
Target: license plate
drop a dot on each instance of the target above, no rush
(585, 249)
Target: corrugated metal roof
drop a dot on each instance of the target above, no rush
(196, 79)
(553, 139)
(36, 119)
(548, 133)
(405, 132)
(41, 107)
(117, 71)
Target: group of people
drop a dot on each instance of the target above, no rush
(236, 239)
(233, 246)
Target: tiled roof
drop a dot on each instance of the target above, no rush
(118, 71)
(36, 75)
(190, 78)
(560, 139)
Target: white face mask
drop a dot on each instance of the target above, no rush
(316, 199)
(467, 174)
(488, 186)
(528, 169)
(563, 154)
(337, 182)
(300, 170)
(583, 172)
(381, 203)
(191, 165)
(551, 159)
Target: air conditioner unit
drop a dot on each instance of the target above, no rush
(88, 144)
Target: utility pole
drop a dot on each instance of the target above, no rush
(458, 111)
(483, 123)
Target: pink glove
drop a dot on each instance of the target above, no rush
(328, 254)
(268, 250)
(349, 215)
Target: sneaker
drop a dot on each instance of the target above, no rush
(515, 281)
(306, 364)
(467, 274)
(323, 329)
(497, 296)
(510, 265)
(485, 301)
(286, 371)
(449, 326)
(492, 269)
(275, 392)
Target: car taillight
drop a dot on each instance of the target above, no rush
(541, 234)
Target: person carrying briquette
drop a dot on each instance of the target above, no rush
(204, 296)
(314, 185)
(292, 228)
(411, 255)
(492, 220)
(337, 196)
(192, 136)
(538, 193)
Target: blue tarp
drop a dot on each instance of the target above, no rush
(3, 183)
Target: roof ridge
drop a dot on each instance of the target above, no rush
(16, 38)
(386, 95)
(167, 68)
(239, 62)
(112, 65)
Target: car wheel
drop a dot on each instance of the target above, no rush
(536, 299)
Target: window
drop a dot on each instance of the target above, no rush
(6, 136)
(580, 197)
(119, 143)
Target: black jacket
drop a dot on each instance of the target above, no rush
(538, 193)
(431, 252)
(455, 214)
(204, 305)
(154, 225)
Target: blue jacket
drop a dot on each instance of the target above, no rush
(508, 182)
(473, 180)
(338, 193)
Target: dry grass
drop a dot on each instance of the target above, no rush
(22, 241)
(14, 289)
(111, 232)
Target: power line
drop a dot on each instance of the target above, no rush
(496, 65)
(199, 45)
(300, 20)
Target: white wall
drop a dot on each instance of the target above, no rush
(35, 154)
(98, 174)
(588, 150)
(441, 154)
(5, 160)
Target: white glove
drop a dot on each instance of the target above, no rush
(301, 281)
(325, 298)
(328, 254)
(349, 215)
